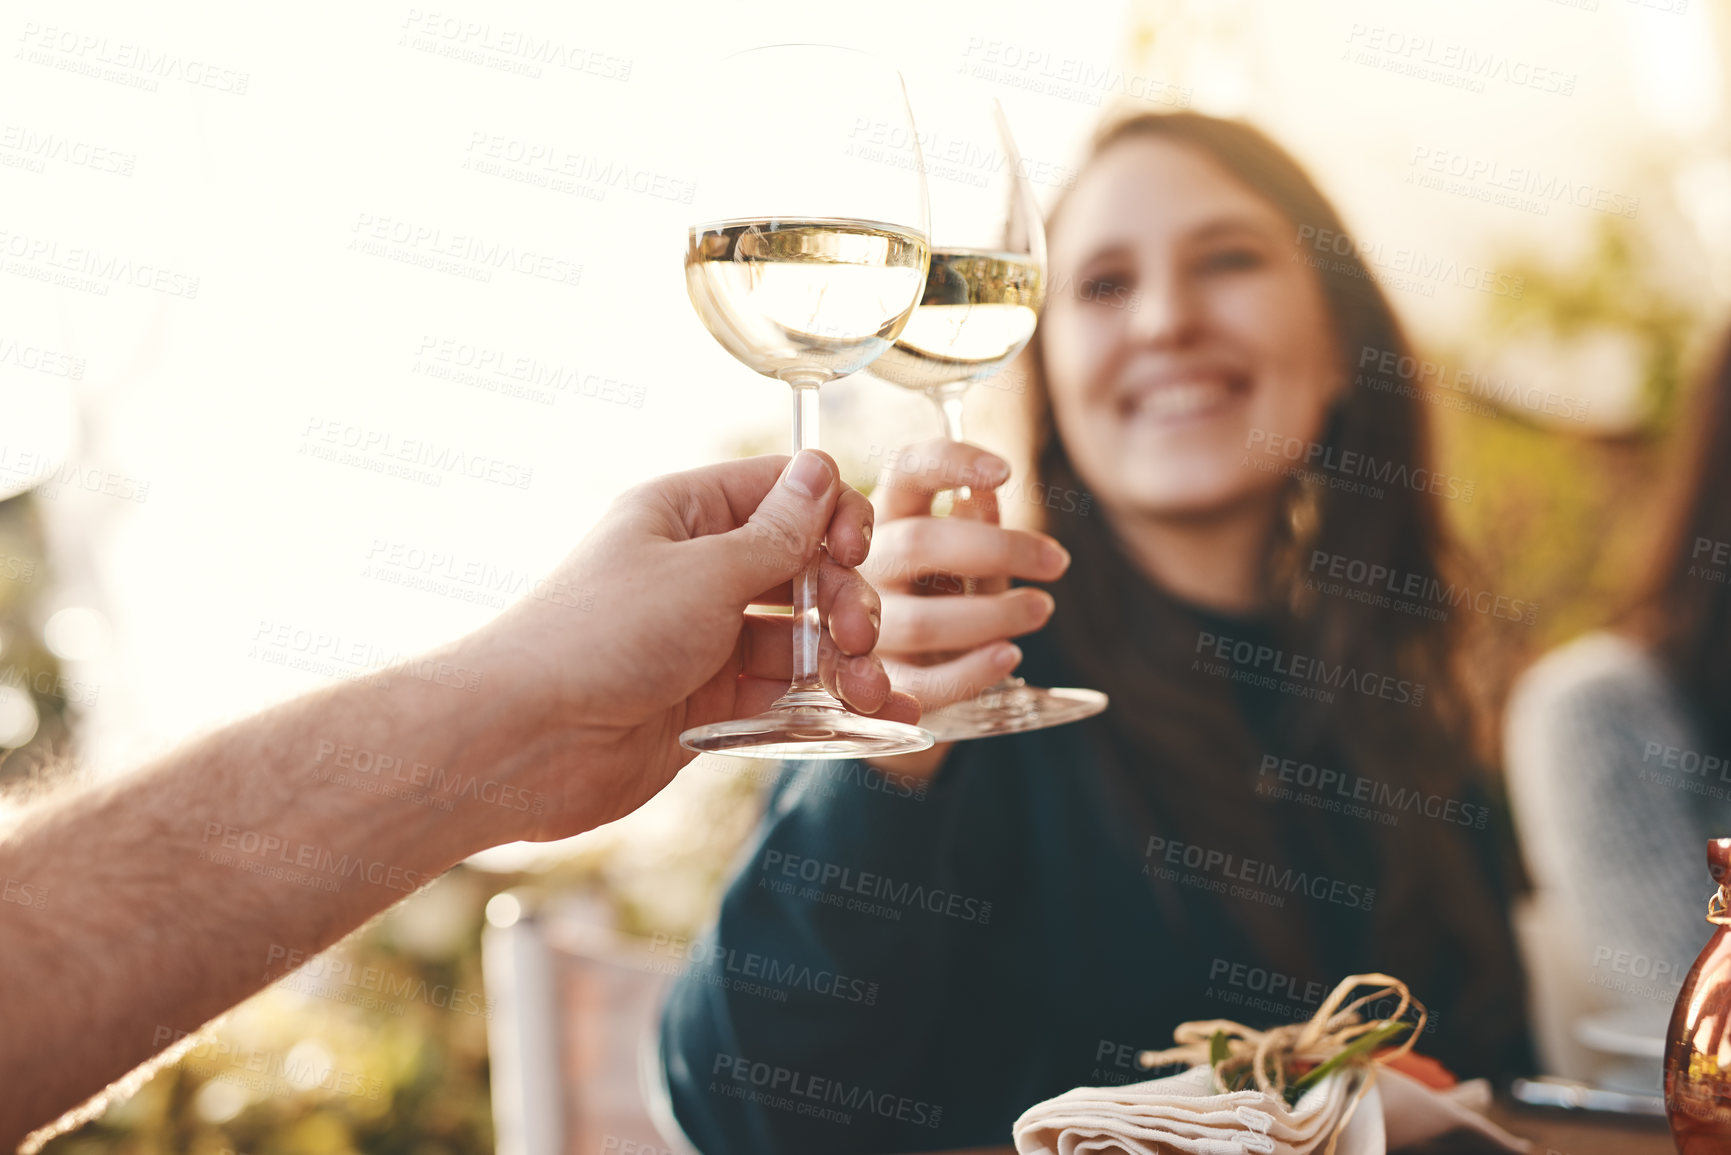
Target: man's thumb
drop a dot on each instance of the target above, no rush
(785, 529)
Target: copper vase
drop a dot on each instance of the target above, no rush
(1698, 1042)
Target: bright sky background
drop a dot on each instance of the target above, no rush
(346, 122)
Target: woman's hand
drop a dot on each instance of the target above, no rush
(937, 645)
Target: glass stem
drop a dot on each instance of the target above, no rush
(949, 403)
(807, 632)
(950, 406)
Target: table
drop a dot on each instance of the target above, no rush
(1569, 1133)
(1552, 1132)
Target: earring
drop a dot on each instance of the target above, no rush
(1303, 510)
(1301, 523)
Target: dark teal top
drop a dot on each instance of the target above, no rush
(902, 967)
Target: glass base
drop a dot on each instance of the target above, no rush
(1010, 707)
(807, 726)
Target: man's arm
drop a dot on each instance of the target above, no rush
(160, 900)
(166, 897)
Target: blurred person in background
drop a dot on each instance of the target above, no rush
(1285, 788)
(1618, 745)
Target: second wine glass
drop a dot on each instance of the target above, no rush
(982, 299)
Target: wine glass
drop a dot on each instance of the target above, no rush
(807, 260)
(981, 301)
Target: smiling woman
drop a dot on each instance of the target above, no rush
(1284, 784)
(1228, 345)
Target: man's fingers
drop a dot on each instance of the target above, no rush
(780, 534)
(910, 550)
(905, 486)
(863, 686)
(850, 608)
(716, 498)
(850, 530)
(766, 653)
(900, 707)
(847, 604)
(859, 682)
(957, 679)
(754, 695)
(922, 625)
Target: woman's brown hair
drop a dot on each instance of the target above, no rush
(1195, 762)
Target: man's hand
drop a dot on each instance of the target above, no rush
(655, 638)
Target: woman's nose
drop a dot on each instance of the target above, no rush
(1163, 312)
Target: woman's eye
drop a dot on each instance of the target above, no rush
(1093, 288)
(1232, 260)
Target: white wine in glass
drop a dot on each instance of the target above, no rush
(808, 262)
(977, 311)
(981, 302)
(804, 296)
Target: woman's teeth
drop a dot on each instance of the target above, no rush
(1181, 400)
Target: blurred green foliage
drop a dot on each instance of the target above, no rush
(1559, 513)
(330, 1061)
(26, 666)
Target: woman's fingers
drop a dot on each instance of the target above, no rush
(907, 484)
(908, 551)
(922, 625)
(958, 678)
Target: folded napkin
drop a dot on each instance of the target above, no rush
(1182, 1115)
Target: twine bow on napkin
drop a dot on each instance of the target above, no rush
(1335, 1039)
(1289, 1090)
